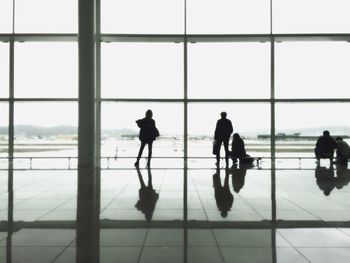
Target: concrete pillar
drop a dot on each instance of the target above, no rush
(87, 241)
(86, 131)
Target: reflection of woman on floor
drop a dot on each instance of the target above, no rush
(147, 195)
(223, 195)
(238, 177)
(343, 175)
(148, 133)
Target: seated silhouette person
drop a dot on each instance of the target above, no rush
(223, 195)
(238, 150)
(325, 178)
(222, 135)
(148, 134)
(147, 195)
(343, 150)
(238, 177)
(343, 175)
(325, 147)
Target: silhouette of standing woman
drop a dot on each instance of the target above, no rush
(148, 134)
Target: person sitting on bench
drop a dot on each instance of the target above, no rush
(325, 147)
(343, 150)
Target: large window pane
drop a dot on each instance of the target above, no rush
(45, 129)
(142, 70)
(46, 16)
(229, 70)
(142, 17)
(120, 132)
(6, 16)
(4, 69)
(248, 119)
(228, 16)
(311, 16)
(312, 69)
(46, 70)
(298, 125)
(4, 122)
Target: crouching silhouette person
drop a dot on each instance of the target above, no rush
(147, 195)
(325, 147)
(343, 150)
(148, 134)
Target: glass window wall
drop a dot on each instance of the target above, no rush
(142, 70)
(46, 70)
(228, 17)
(142, 17)
(311, 16)
(43, 16)
(229, 70)
(4, 70)
(6, 16)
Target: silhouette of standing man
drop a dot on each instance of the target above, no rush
(148, 133)
(222, 134)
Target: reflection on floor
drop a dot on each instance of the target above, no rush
(241, 214)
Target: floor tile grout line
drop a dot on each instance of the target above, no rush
(302, 254)
(199, 197)
(302, 208)
(62, 252)
(218, 246)
(143, 246)
(292, 245)
(120, 192)
(340, 229)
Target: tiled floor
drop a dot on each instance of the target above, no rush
(235, 215)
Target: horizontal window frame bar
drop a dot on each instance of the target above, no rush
(178, 38)
(328, 100)
(196, 38)
(40, 37)
(178, 224)
(39, 99)
(345, 100)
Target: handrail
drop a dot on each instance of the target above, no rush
(258, 159)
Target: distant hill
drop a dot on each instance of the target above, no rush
(118, 132)
(32, 130)
(336, 130)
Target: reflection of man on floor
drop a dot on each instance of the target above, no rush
(223, 195)
(147, 195)
(325, 178)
